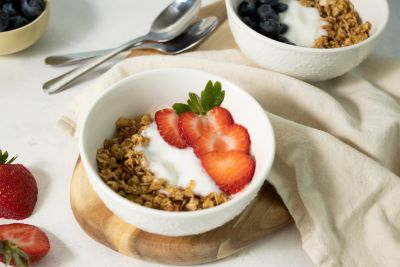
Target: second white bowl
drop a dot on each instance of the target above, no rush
(310, 64)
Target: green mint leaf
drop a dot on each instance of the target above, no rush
(194, 103)
(207, 100)
(212, 95)
(180, 108)
(219, 98)
(219, 94)
(217, 86)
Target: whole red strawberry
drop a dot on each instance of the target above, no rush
(18, 189)
(22, 244)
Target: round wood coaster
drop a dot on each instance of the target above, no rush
(264, 215)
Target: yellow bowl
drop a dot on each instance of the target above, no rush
(19, 39)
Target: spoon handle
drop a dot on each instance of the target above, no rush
(61, 82)
(74, 58)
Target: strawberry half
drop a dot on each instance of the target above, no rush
(229, 137)
(192, 126)
(22, 244)
(230, 170)
(167, 125)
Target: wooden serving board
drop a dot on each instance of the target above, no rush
(264, 215)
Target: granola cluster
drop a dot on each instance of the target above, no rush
(125, 170)
(344, 26)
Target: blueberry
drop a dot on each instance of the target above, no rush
(266, 12)
(246, 9)
(17, 22)
(281, 7)
(4, 21)
(32, 8)
(251, 22)
(268, 2)
(10, 9)
(270, 28)
(284, 28)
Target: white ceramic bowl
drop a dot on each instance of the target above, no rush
(308, 64)
(145, 93)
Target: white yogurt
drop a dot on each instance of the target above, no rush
(177, 166)
(304, 23)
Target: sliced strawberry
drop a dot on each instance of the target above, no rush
(219, 117)
(229, 137)
(192, 126)
(231, 170)
(27, 238)
(167, 125)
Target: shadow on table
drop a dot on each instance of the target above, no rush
(57, 248)
(43, 184)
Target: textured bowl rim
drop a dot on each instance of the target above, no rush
(44, 13)
(265, 167)
(309, 50)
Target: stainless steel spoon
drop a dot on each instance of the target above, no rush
(189, 38)
(193, 35)
(171, 22)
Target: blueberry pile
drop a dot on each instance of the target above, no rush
(262, 16)
(17, 13)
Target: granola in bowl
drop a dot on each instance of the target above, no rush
(344, 25)
(126, 171)
(306, 23)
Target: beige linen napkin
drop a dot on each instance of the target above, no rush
(337, 162)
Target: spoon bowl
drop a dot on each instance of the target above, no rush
(173, 20)
(190, 38)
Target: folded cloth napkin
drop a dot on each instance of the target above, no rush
(337, 162)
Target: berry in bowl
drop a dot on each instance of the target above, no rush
(311, 40)
(175, 168)
(22, 23)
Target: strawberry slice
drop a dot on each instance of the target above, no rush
(219, 117)
(167, 125)
(21, 240)
(192, 126)
(231, 170)
(229, 137)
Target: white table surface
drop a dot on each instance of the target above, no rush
(28, 119)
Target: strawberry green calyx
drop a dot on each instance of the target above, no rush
(211, 96)
(11, 252)
(4, 158)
